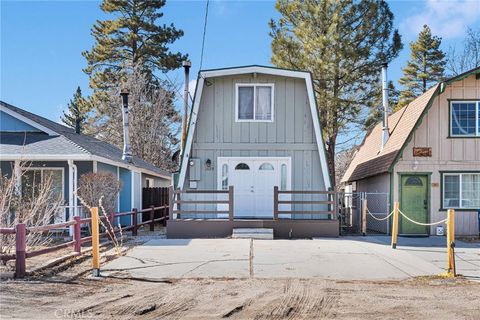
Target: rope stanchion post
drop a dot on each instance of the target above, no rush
(451, 241)
(364, 217)
(95, 243)
(395, 225)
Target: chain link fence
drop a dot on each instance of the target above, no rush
(350, 211)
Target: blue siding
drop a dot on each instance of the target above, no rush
(12, 124)
(106, 168)
(6, 168)
(125, 194)
(83, 167)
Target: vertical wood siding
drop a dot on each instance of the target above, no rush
(448, 154)
(291, 134)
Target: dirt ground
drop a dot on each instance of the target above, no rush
(68, 292)
(240, 299)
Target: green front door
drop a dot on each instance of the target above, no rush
(414, 204)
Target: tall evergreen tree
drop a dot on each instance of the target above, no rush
(77, 114)
(425, 67)
(343, 44)
(133, 36)
(376, 109)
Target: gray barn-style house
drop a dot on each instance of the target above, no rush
(254, 128)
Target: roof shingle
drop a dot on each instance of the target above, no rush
(68, 142)
(369, 160)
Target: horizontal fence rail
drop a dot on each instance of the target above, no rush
(176, 202)
(20, 232)
(331, 202)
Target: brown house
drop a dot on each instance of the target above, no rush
(431, 160)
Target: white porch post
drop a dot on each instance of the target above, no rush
(18, 176)
(71, 197)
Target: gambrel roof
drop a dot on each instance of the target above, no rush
(369, 159)
(205, 74)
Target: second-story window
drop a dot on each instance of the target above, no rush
(465, 119)
(254, 102)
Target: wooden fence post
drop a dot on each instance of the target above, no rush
(451, 241)
(335, 207)
(395, 224)
(20, 250)
(95, 242)
(164, 204)
(152, 218)
(364, 217)
(135, 222)
(230, 203)
(171, 199)
(275, 203)
(77, 235)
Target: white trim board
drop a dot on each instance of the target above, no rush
(246, 70)
(28, 121)
(254, 86)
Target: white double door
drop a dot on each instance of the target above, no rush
(253, 179)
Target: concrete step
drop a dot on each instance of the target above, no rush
(252, 233)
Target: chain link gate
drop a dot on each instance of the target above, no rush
(350, 211)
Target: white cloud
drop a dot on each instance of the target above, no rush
(447, 19)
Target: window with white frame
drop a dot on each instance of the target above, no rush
(465, 118)
(34, 178)
(461, 190)
(254, 102)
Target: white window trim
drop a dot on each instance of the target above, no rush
(281, 160)
(459, 174)
(51, 168)
(477, 129)
(254, 86)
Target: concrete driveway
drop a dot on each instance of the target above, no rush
(346, 258)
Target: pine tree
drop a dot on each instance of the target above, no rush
(376, 109)
(77, 114)
(342, 44)
(134, 36)
(425, 67)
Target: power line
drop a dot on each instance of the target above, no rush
(204, 33)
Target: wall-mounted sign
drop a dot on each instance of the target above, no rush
(435, 184)
(422, 152)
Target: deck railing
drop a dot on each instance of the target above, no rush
(331, 202)
(177, 202)
(20, 231)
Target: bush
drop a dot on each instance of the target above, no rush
(99, 189)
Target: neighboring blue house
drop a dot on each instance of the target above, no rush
(56, 149)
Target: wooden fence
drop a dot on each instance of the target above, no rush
(331, 202)
(157, 197)
(176, 204)
(20, 231)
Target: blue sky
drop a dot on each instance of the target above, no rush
(41, 41)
